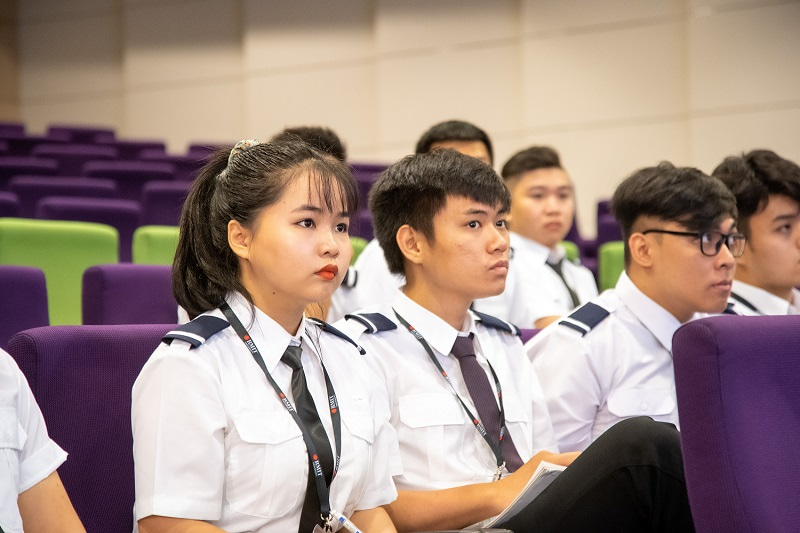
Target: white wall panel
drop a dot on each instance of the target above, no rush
(307, 32)
(745, 57)
(557, 15)
(638, 72)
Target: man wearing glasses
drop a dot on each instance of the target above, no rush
(611, 359)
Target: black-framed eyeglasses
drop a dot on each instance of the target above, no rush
(711, 241)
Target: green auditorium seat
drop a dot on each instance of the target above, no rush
(571, 249)
(358, 246)
(62, 250)
(155, 245)
(610, 263)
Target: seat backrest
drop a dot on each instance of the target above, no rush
(9, 204)
(71, 157)
(63, 251)
(737, 387)
(610, 263)
(162, 201)
(81, 377)
(81, 134)
(124, 293)
(130, 175)
(123, 215)
(155, 245)
(12, 165)
(23, 300)
(30, 189)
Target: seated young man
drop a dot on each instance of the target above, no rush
(466, 404)
(373, 281)
(542, 211)
(611, 359)
(767, 190)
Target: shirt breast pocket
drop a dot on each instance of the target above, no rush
(431, 423)
(641, 401)
(267, 465)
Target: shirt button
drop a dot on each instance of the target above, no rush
(643, 407)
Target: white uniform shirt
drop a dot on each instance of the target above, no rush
(374, 284)
(765, 303)
(27, 454)
(213, 442)
(533, 289)
(439, 445)
(620, 369)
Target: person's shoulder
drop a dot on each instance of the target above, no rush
(196, 332)
(335, 334)
(495, 324)
(368, 322)
(590, 319)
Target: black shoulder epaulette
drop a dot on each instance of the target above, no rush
(584, 318)
(729, 310)
(324, 326)
(374, 322)
(494, 322)
(197, 331)
(350, 278)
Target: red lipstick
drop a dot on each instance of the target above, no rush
(328, 272)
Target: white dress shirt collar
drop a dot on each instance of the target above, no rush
(660, 322)
(269, 337)
(436, 331)
(765, 302)
(536, 250)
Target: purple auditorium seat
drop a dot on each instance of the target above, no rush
(737, 386)
(4, 149)
(11, 166)
(608, 229)
(186, 166)
(132, 149)
(15, 129)
(162, 202)
(9, 204)
(361, 224)
(365, 175)
(130, 175)
(81, 377)
(80, 134)
(125, 293)
(23, 300)
(124, 215)
(72, 157)
(31, 189)
(205, 150)
(22, 145)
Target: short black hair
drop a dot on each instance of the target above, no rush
(529, 159)
(322, 138)
(677, 194)
(753, 177)
(413, 190)
(453, 130)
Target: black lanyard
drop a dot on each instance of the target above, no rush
(496, 446)
(745, 303)
(319, 477)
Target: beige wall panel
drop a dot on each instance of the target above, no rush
(336, 97)
(598, 160)
(42, 10)
(745, 57)
(723, 5)
(555, 15)
(9, 64)
(610, 76)
(307, 32)
(79, 56)
(480, 85)
(178, 41)
(415, 24)
(101, 111)
(714, 138)
(186, 114)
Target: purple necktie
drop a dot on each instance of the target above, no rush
(484, 398)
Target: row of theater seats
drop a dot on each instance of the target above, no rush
(737, 394)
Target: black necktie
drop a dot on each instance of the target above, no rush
(304, 405)
(557, 266)
(484, 398)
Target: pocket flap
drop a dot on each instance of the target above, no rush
(273, 427)
(641, 401)
(436, 409)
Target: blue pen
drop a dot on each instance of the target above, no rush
(346, 524)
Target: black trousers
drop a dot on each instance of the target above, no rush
(629, 479)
